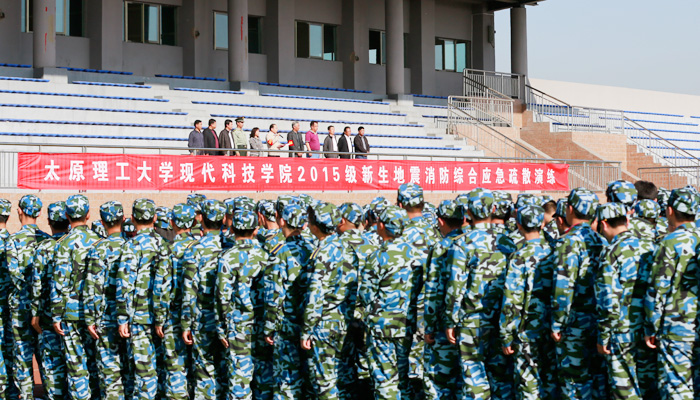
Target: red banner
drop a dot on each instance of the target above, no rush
(247, 174)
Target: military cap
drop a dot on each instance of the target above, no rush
(327, 215)
(376, 206)
(662, 197)
(195, 200)
(128, 226)
(111, 211)
(240, 119)
(243, 219)
(647, 209)
(530, 216)
(610, 211)
(77, 206)
(430, 214)
(351, 212)
(163, 217)
(267, 209)
(306, 200)
(30, 205)
(622, 192)
(561, 208)
(294, 216)
(183, 215)
(5, 207)
(544, 199)
(502, 202)
(143, 209)
(410, 195)
(480, 203)
(527, 199)
(284, 200)
(394, 220)
(99, 229)
(229, 203)
(683, 200)
(57, 211)
(583, 200)
(450, 209)
(214, 210)
(244, 203)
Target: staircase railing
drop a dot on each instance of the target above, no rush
(490, 111)
(478, 82)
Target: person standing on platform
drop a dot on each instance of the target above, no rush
(361, 144)
(275, 141)
(196, 139)
(330, 144)
(296, 141)
(346, 144)
(211, 139)
(312, 141)
(226, 139)
(240, 139)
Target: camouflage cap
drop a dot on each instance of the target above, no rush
(294, 216)
(430, 214)
(450, 209)
(351, 212)
(583, 200)
(163, 217)
(99, 229)
(327, 215)
(57, 211)
(244, 203)
(394, 220)
(77, 206)
(128, 226)
(30, 205)
(647, 209)
(244, 220)
(229, 203)
(285, 200)
(544, 199)
(5, 207)
(267, 209)
(530, 216)
(683, 200)
(376, 206)
(662, 197)
(410, 195)
(502, 202)
(525, 199)
(481, 203)
(214, 210)
(183, 215)
(462, 200)
(561, 208)
(195, 200)
(610, 211)
(143, 209)
(306, 200)
(621, 192)
(111, 211)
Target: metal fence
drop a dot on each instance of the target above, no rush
(587, 173)
(670, 177)
(489, 111)
(476, 83)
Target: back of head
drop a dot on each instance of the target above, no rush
(646, 190)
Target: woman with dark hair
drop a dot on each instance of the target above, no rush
(256, 143)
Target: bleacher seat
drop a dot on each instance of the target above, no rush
(207, 90)
(318, 120)
(196, 78)
(93, 123)
(298, 108)
(13, 78)
(92, 96)
(97, 71)
(312, 87)
(15, 65)
(117, 110)
(425, 96)
(123, 85)
(291, 96)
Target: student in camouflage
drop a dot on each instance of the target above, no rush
(173, 354)
(671, 301)
(195, 200)
(5, 287)
(387, 303)
(144, 282)
(67, 304)
(100, 303)
(577, 259)
(325, 312)
(442, 360)
(239, 269)
(162, 225)
(502, 209)
(198, 319)
(49, 353)
(646, 213)
(521, 327)
(662, 222)
(99, 229)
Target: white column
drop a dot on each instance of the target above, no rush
(44, 33)
(238, 40)
(394, 47)
(518, 40)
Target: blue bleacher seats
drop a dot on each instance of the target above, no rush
(197, 78)
(89, 136)
(429, 97)
(313, 87)
(90, 96)
(122, 85)
(290, 96)
(651, 113)
(94, 123)
(319, 120)
(298, 108)
(208, 90)
(428, 106)
(97, 71)
(120, 110)
(13, 78)
(15, 65)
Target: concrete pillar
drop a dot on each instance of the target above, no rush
(196, 36)
(44, 33)
(279, 41)
(106, 47)
(483, 46)
(518, 40)
(11, 50)
(353, 44)
(238, 40)
(394, 47)
(421, 40)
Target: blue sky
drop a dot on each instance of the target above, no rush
(640, 44)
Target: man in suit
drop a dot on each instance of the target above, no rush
(345, 144)
(211, 139)
(297, 138)
(361, 144)
(196, 140)
(226, 138)
(330, 144)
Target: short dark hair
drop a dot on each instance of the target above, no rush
(212, 224)
(683, 217)
(82, 219)
(346, 128)
(197, 122)
(615, 222)
(212, 121)
(646, 190)
(228, 121)
(550, 207)
(252, 132)
(143, 221)
(580, 215)
(313, 122)
(272, 126)
(4, 218)
(329, 127)
(243, 232)
(530, 229)
(312, 220)
(108, 225)
(361, 128)
(59, 225)
(453, 223)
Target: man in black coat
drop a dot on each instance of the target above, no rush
(211, 139)
(361, 144)
(345, 144)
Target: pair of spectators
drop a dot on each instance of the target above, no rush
(301, 145)
(236, 141)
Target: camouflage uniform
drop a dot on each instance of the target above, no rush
(325, 312)
(387, 298)
(521, 321)
(173, 354)
(662, 222)
(239, 269)
(100, 306)
(672, 299)
(5, 287)
(67, 304)
(162, 225)
(195, 200)
(442, 360)
(99, 229)
(573, 301)
(199, 311)
(144, 282)
(49, 353)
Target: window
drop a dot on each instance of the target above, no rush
(69, 17)
(150, 23)
(316, 41)
(221, 33)
(377, 47)
(452, 55)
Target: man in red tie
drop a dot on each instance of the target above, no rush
(211, 139)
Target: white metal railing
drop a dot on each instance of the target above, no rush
(476, 83)
(489, 111)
